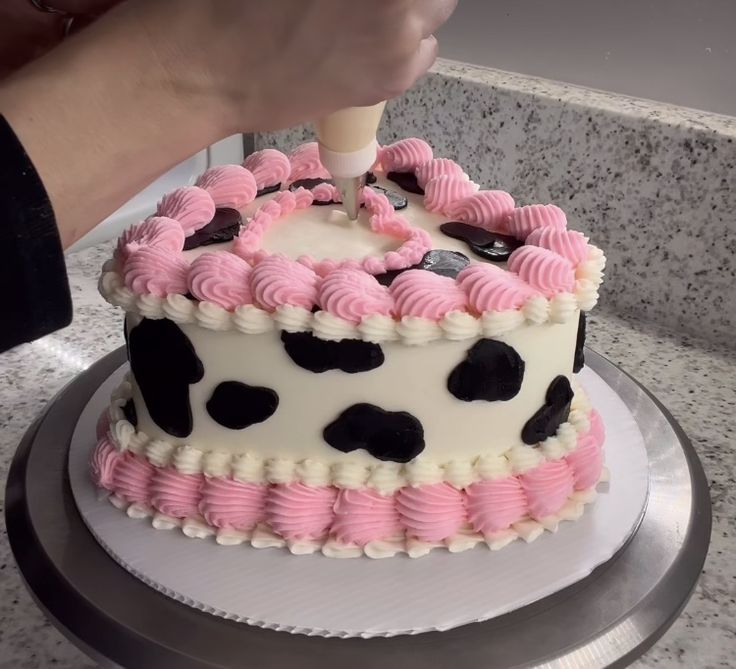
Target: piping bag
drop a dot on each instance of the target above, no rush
(348, 149)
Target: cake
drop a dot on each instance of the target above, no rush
(390, 385)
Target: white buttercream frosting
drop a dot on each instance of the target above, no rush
(249, 319)
(159, 452)
(280, 470)
(416, 331)
(495, 323)
(292, 318)
(459, 325)
(523, 458)
(562, 307)
(213, 317)
(536, 309)
(493, 467)
(249, 468)
(423, 471)
(333, 328)
(378, 328)
(217, 463)
(179, 309)
(349, 474)
(313, 472)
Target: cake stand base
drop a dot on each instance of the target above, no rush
(605, 620)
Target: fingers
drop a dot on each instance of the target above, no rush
(402, 78)
(433, 13)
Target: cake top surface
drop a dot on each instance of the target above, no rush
(431, 254)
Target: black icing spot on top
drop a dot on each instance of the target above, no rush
(317, 355)
(308, 183)
(406, 181)
(130, 413)
(396, 200)
(164, 364)
(223, 227)
(492, 371)
(580, 345)
(487, 245)
(551, 415)
(439, 261)
(268, 189)
(237, 405)
(370, 178)
(396, 436)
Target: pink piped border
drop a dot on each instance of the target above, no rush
(297, 511)
(556, 262)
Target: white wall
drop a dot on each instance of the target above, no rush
(678, 51)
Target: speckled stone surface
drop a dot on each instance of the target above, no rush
(694, 379)
(652, 184)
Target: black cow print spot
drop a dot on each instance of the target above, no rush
(580, 344)
(308, 183)
(370, 178)
(318, 355)
(556, 409)
(439, 261)
(130, 413)
(396, 436)
(164, 364)
(487, 245)
(406, 181)
(492, 371)
(224, 226)
(396, 200)
(268, 189)
(237, 405)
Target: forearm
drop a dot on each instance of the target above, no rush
(100, 121)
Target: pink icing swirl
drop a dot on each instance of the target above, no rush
(221, 278)
(326, 192)
(131, 479)
(351, 294)
(489, 288)
(569, 244)
(160, 231)
(229, 185)
(431, 512)
(276, 281)
(436, 168)
(365, 515)
(524, 220)
(103, 424)
(104, 460)
(543, 269)
(487, 209)
(442, 192)
(427, 295)
(586, 462)
(596, 427)
(176, 494)
(547, 487)
(192, 206)
(495, 505)
(305, 163)
(269, 167)
(150, 269)
(405, 155)
(231, 504)
(299, 511)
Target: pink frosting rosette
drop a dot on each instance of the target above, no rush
(548, 487)
(495, 505)
(229, 185)
(104, 460)
(569, 244)
(437, 168)
(524, 220)
(176, 494)
(365, 515)
(192, 206)
(160, 231)
(489, 288)
(427, 295)
(131, 478)
(543, 269)
(487, 209)
(351, 294)
(405, 155)
(305, 163)
(269, 167)
(276, 281)
(597, 428)
(230, 504)
(156, 271)
(298, 511)
(431, 512)
(220, 278)
(442, 192)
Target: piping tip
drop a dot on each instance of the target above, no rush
(350, 189)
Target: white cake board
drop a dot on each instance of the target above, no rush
(361, 597)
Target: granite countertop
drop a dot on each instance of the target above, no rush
(692, 378)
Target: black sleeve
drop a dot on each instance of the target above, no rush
(33, 281)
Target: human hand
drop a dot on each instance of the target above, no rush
(266, 65)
